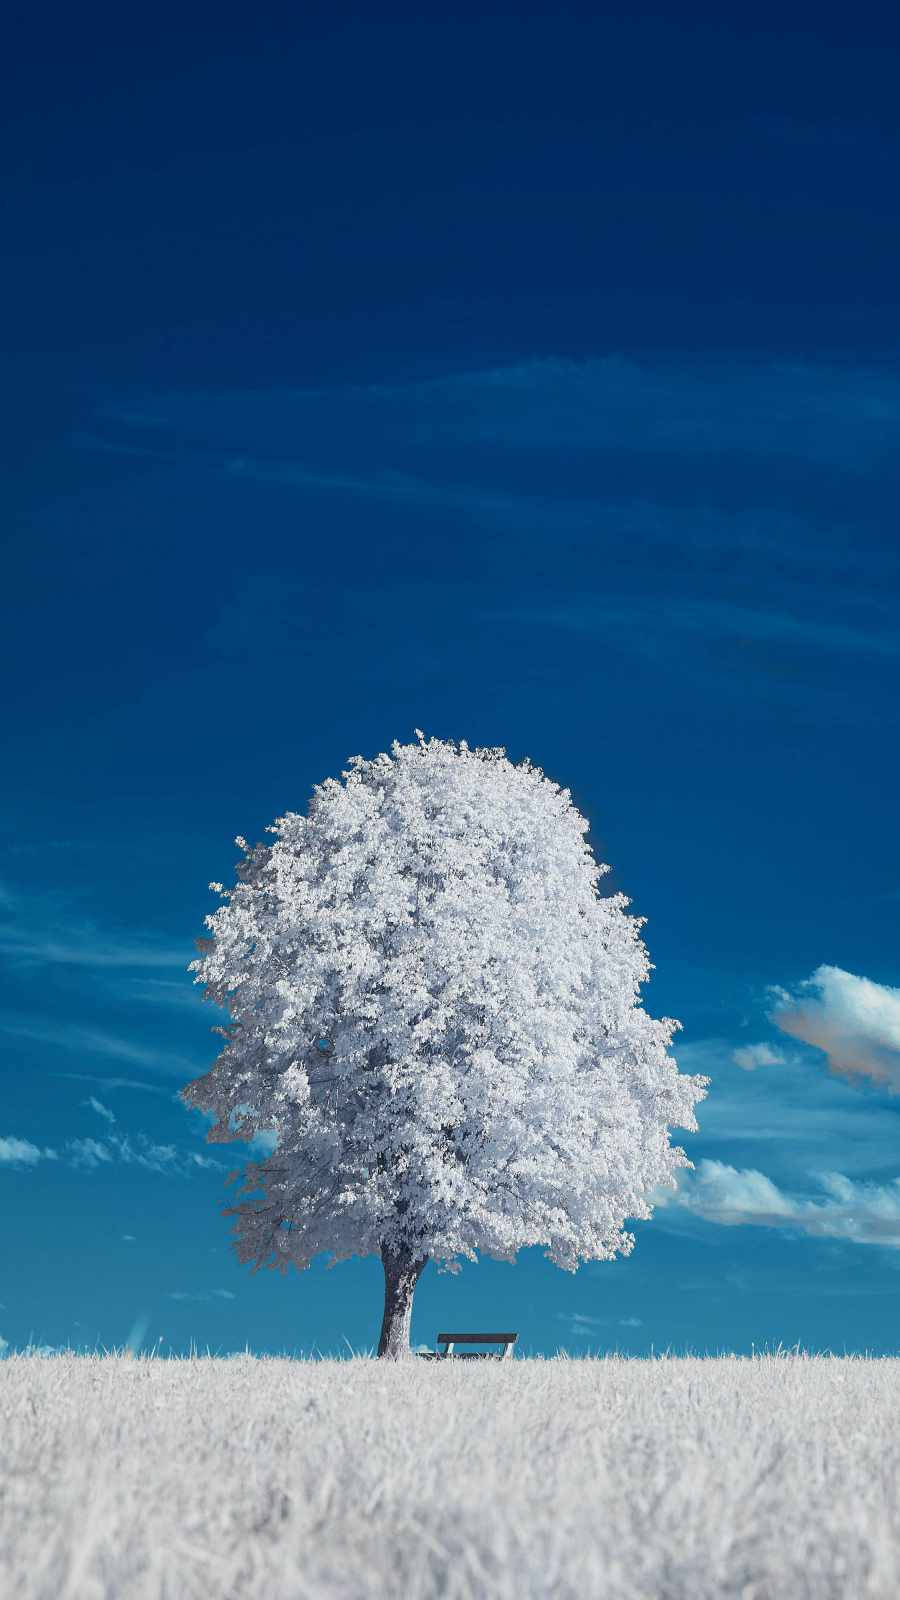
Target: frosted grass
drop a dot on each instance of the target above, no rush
(775, 1477)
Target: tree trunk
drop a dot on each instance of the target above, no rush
(402, 1270)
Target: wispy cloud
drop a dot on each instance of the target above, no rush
(855, 1021)
(784, 643)
(48, 933)
(556, 448)
(188, 1294)
(863, 1213)
(86, 1041)
(382, 484)
(136, 1150)
(22, 1153)
(113, 1083)
(101, 1110)
(683, 404)
(90, 951)
(628, 617)
(184, 996)
(580, 1323)
(89, 1153)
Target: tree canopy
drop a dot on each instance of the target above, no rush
(438, 1015)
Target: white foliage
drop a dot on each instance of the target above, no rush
(490, 1080)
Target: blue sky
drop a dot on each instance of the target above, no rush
(529, 379)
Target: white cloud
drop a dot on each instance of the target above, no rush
(139, 1151)
(862, 1213)
(128, 1237)
(88, 1153)
(855, 1021)
(22, 1153)
(751, 1056)
(580, 1322)
(100, 1108)
(154, 1157)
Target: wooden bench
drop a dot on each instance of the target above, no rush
(448, 1340)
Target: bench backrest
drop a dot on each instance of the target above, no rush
(477, 1338)
(448, 1340)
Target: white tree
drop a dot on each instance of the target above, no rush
(438, 1016)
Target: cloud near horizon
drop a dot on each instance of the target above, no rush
(855, 1021)
(579, 1321)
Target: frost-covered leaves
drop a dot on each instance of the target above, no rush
(491, 1081)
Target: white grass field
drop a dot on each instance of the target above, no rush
(771, 1478)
